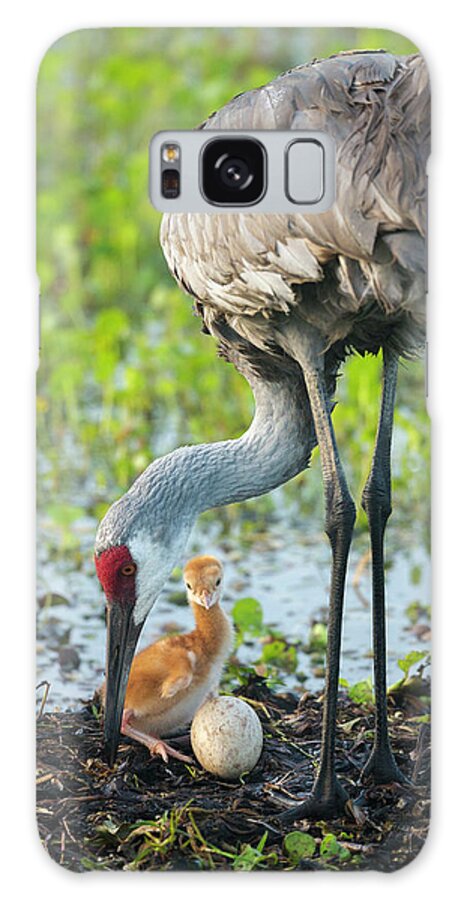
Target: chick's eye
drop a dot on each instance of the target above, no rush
(128, 570)
(218, 582)
(188, 586)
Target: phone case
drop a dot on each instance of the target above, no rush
(233, 648)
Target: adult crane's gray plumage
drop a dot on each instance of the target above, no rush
(286, 297)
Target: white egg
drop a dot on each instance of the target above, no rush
(227, 737)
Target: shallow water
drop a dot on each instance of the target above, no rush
(285, 569)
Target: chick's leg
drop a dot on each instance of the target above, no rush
(155, 745)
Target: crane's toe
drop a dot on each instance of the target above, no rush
(323, 803)
(382, 768)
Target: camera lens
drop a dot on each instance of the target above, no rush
(233, 171)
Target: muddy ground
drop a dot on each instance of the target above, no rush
(143, 814)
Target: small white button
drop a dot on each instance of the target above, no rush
(305, 171)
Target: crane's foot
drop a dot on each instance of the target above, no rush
(382, 768)
(325, 802)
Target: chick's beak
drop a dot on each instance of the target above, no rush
(208, 599)
(121, 640)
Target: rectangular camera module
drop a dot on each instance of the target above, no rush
(229, 171)
(233, 171)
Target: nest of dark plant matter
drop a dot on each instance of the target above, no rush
(143, 814)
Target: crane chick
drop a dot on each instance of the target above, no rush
(171, 678)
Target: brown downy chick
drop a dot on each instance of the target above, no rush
(171, 678)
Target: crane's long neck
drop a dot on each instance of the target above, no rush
(155, 517)
(276, 447)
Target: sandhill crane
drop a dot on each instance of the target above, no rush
(287, 297)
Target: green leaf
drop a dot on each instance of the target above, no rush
(299, 845)
(250, 856)
(279, 654)
(362, 692)
(330, 847)
(247, 615)
(410, 660)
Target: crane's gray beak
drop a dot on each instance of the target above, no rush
(121, 640)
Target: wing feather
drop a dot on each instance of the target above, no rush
(376, 108)
(163, 669)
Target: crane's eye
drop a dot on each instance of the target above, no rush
(129, 569)
(218, 582)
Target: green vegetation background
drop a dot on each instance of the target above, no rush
(125, 372)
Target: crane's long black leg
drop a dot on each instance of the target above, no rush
(376, 501)
(328, 798)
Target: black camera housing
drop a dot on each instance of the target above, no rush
(233, 171)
